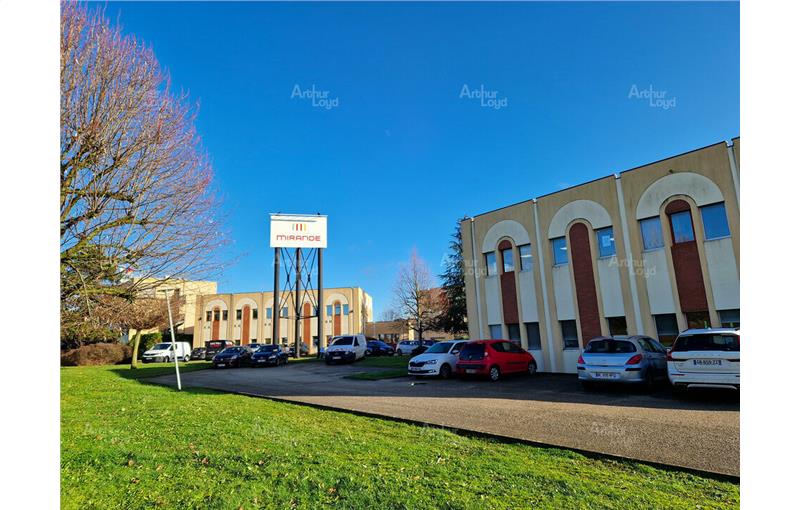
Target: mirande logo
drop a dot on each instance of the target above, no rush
(300, 227)
(487, 98)
(655, 98)
(319, 98)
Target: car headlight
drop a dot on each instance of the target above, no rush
(432, 362)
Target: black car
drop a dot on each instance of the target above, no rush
(378, 348)
(232, 357)
(269, 355)
(198, 353)
(214, 347)
(422, 348)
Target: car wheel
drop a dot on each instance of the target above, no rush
(166, 359)
(532, 368)
(186, 359)
(494, 374)
(445, 371)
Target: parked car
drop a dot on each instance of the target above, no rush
(439, 359)
(214, 347)
(198, 353)
(232, 357)
(622, 359)
(346, 348)
(254, 346)
(269, 355)
(407, 346)
(289, 348)
(702, 358)
(420, 348)
(164, 352)
(378, 348)
(494, 358)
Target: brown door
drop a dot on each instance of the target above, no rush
(337, 318)
(246, 325)
(215, 324)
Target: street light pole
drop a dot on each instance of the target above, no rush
(172, 334)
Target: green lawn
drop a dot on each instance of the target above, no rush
(396, 366)
(131, 445)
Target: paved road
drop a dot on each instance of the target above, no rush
(700, 431)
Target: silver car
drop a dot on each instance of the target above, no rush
(622, 359)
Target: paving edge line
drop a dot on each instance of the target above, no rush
(726, 477)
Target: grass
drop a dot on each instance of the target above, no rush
(397, 366)
(129, 445)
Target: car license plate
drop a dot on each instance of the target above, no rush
(337, 357)
(261, 360)
(220, 364)
(471, 371)
(414, 369)
(606, 375)
(711, 362)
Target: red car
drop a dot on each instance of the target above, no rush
(494, 358)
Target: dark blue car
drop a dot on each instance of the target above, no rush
(378, 348)
(269, 355)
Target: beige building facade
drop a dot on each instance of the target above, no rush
(653, 250)
(247, 317)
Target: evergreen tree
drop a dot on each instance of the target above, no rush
(454, 317)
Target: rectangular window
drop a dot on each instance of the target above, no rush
(491, 264)
(569, 332)
(534, 336)
(699, 320)
(513, 333)
(525, 258)
(285, 311)
(559, 251)
(605, 242)
(346, 309)
(715, 221)
(508, 260)
(269, 313)
(224, 315)
(329, 310)
(667, 328)
(239, 314)
(617, 326)
(729, 318)
(652, 238)
(208, 316)
(255, 313)
(216, 315)
(316, 311)
(495, 331)
(682, 231)
(338, 309)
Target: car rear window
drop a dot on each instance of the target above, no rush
(707, 342)
(610, 347)
(472, 352)
(214, 345)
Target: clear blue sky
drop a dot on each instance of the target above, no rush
(402, 156)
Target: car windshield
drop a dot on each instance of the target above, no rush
(230, 350)
(609, 346)
(707, 342)
(346, 340)
(161, 347)
(267, 348)
(439, 348)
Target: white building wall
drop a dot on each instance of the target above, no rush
(722, 273)
(610, 287)
(494, 313)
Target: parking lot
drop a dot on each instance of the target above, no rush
(699, 431)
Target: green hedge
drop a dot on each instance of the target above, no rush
(147, 341)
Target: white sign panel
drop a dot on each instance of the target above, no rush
(298, 231)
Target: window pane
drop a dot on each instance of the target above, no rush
(338, 309)
(525, 258)
(513, 333)
(729, 318)
(652, 238)
(569, 332)
(508, 260)
(346, 309)
(285, 311)
(239, 314)
(255, 313)
(605, 242)
(617, 326)
(224, 315)
(208, 316)
(216, 315)
(269, 313)
(559, 250)
(329, 310)
(715, 221)
(666, 327)
(491, 264)
(495, 331)
(698, 320)
(534, 336)
(682, 230)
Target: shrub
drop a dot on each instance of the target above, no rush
(147, 341)
(97, 354)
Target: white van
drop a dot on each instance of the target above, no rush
(163, 352)
(346, 348)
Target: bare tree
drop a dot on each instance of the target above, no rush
(415, 298)
(136, 200)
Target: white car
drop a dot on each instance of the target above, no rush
(439, 360)
(705, 358)
(163, 352)
(406, 346)
(346, 348)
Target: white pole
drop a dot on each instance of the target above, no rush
(172, 334)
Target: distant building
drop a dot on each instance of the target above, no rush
(653, 251)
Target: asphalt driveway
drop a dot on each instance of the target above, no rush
(700, 431)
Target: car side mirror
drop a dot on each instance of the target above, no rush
(455, 351)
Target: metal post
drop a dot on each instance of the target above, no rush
(297, 307)
(276, 299)
(172, 334)
(321, 341)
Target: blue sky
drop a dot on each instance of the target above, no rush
(403, 154)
